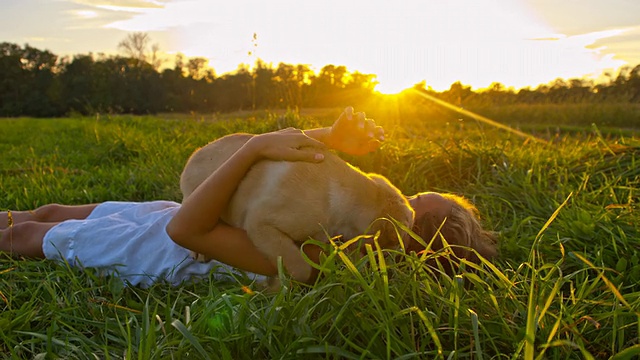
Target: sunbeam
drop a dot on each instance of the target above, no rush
(479, 117)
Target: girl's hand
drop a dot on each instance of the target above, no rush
(287, 145)
(355, 134)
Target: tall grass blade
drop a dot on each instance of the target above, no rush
(476, 334)
(610, 285)
(632, 352)
(189, 336)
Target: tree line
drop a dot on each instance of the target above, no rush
(35, 82)
(624, 87)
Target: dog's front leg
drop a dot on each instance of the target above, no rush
(274, 243)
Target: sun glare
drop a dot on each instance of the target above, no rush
(403, 43)
(392, 86)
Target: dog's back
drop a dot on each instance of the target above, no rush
(280, 203)
(207, 159)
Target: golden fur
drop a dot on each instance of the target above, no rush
(282, 204)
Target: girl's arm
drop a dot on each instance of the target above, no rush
(197, 226)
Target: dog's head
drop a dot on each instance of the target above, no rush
(393, 206)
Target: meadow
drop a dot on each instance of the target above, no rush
(566, 284)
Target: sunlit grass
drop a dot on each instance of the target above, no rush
(564, 286)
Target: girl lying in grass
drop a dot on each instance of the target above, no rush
(134, 240)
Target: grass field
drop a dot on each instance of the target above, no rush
(566, 284)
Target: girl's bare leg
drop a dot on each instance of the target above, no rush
(25, 235)
(25, 239)
(51, 213)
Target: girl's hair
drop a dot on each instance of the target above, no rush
(461, 229)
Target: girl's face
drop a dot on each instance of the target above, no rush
(430, 203)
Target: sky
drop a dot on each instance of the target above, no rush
(515, 42)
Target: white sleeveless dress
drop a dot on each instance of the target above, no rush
(129, 240)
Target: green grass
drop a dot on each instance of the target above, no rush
(566, 284)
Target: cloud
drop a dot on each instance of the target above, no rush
(585, 16)
(46, 40)
(84, 14)
(111, 11)
(550, 38)
(96, 14)
(141, 4)
(625, 46)
(611, 26)
(85, 18)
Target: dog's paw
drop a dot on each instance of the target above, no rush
(299, 269)
(270, 285)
